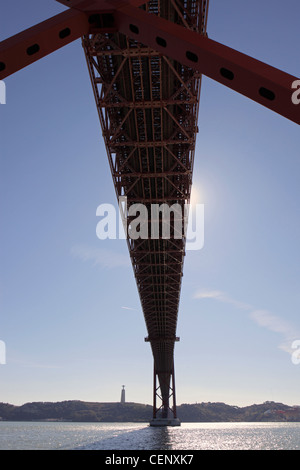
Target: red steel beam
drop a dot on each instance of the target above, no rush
(256, 80)
(33, 44)
(97, 5)
(36, 42)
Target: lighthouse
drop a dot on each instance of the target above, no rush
(123, 394)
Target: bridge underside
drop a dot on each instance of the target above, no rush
(148, 108)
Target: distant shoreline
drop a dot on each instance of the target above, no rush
(80, 411)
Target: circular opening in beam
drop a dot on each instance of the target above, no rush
(266, 93)
(227, 73)
(2, 66)
(191, 56)
(64, 33)
(33, 49)
(161, 41)
(134, 29)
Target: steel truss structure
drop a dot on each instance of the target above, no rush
(148, 108)
(145, 61)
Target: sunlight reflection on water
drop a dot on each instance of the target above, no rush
(140, 436)
(207, 436)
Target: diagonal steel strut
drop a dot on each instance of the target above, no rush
(254, 79)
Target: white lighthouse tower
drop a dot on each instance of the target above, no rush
(123, 394)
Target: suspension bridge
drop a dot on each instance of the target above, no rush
(146, 61)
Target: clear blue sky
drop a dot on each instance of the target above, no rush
(63, 291)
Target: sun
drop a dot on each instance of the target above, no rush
(196, 195)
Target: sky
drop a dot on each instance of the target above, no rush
(70, 314)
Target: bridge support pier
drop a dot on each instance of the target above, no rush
(164, 391)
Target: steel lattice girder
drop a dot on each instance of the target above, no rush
(148, 109)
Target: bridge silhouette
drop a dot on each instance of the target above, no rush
(146, 60)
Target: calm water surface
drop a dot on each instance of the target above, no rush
(133, 436)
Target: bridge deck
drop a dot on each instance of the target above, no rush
(148, 108)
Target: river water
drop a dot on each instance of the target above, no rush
(140, 436)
